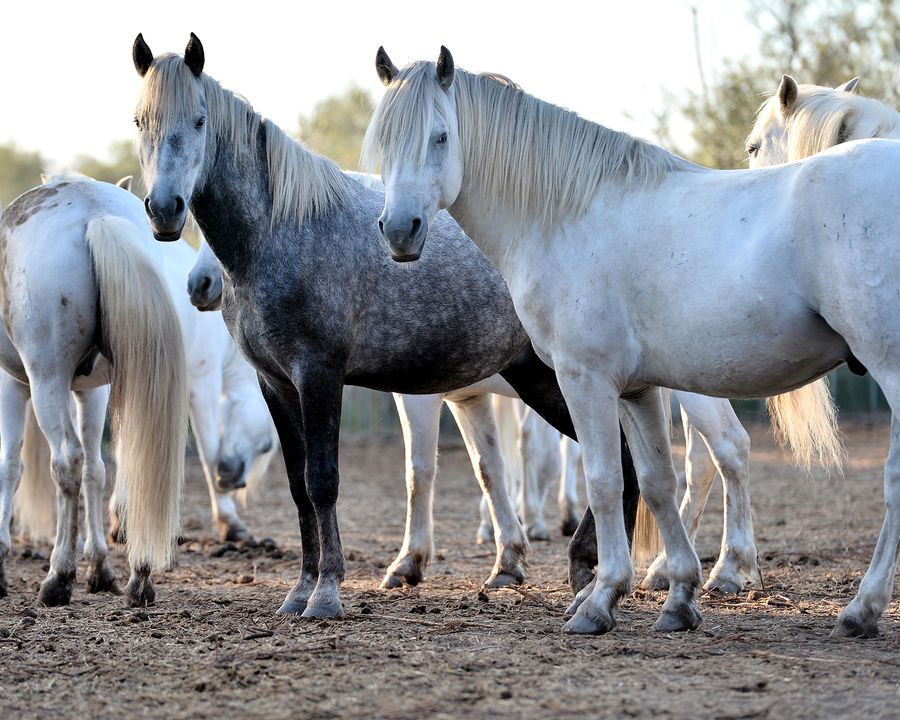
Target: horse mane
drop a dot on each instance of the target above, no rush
(546, 162)
(302, 184)
(824, 117)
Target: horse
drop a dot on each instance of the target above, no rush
(309, 294)
(83, 309)
(797, 121)
(613, 252)
(801, 120)
(420, 420)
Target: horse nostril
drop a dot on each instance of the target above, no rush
(147, 208)
(179, 205)
(381, 227)
(416, 225)
(205, 283)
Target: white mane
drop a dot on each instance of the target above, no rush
(823, 117)
(302, 184)
(546, 162)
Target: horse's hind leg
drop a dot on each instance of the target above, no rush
(420, 419)
(860, 617)
(53, 408)
(542, 466)
(13, 404)
(479, 429)
(91, 416)
(568, 485)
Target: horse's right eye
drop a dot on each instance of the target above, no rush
(137, 122)
(752, 150)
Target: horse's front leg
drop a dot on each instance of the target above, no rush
(648, 434)
(475, 419)
(320, 389)
(284, 407)
(13, 405)
(420, 417)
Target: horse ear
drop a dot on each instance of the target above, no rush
(787, 93)
(193, 55)
(125, 182)
(445, 68)
(850, 85)
(385, 67)
(142, 55)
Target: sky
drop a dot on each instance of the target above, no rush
(69, 86)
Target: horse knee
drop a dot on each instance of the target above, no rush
(67, 472)
(733, 454)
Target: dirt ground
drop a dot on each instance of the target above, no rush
(212, 646)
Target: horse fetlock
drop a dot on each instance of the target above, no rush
(232, 530)
(296, 600)
(408, 568)
(538, 530)
(485, 534)
(568, 524)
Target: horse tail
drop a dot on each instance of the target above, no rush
(806, 419)
(34, 504)
(149, 399)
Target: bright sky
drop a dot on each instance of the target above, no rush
(69, 86)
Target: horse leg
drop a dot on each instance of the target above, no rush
(284, 407)
(52, 402)
(475, 419)
(541, 465)
(13, 405)
(91, 417)
(206, 393)
(860, 617)
(582, 549)
(420, 419)
(699, 474)
(567, 498)
(320, 389)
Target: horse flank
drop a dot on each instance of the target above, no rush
(303, 185)
(546, 163)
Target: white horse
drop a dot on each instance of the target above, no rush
(621, 258)
(801, 120)
(83, 307)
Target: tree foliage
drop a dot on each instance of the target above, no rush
(20, 170)
(336, 126)
(823, 42)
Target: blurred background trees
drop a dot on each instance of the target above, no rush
(336, 126)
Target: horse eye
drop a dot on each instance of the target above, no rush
(201, 121)
(442, 138)
(752, 150)
(137, 122)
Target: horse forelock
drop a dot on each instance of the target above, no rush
(546, 162)
(302, 184)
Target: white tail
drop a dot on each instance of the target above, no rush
(149, 400)
(34, 504)
(806, 419)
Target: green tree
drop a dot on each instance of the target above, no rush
(824, 42)
(123, 160)
(20, 170)
(336, 126)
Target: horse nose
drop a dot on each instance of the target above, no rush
(230, 470)
(164, 211)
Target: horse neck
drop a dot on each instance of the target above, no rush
(233, 207)
(491, 226)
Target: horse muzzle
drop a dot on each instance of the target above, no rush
(205, 293)
(230, 474)
(405, 239)
(167, 217)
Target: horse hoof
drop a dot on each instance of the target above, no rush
(391, 582)
(484, 537)
(103, 581)
(723, 585)
(328, 610)
(580, 578)
(581, 624)
(4, 588)
(139, 592)
(235, 532)
(505, 579)
(849, 627)
(680, 619)
(569, 526)
(539, 533)
(655, 581)
(55, 591)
